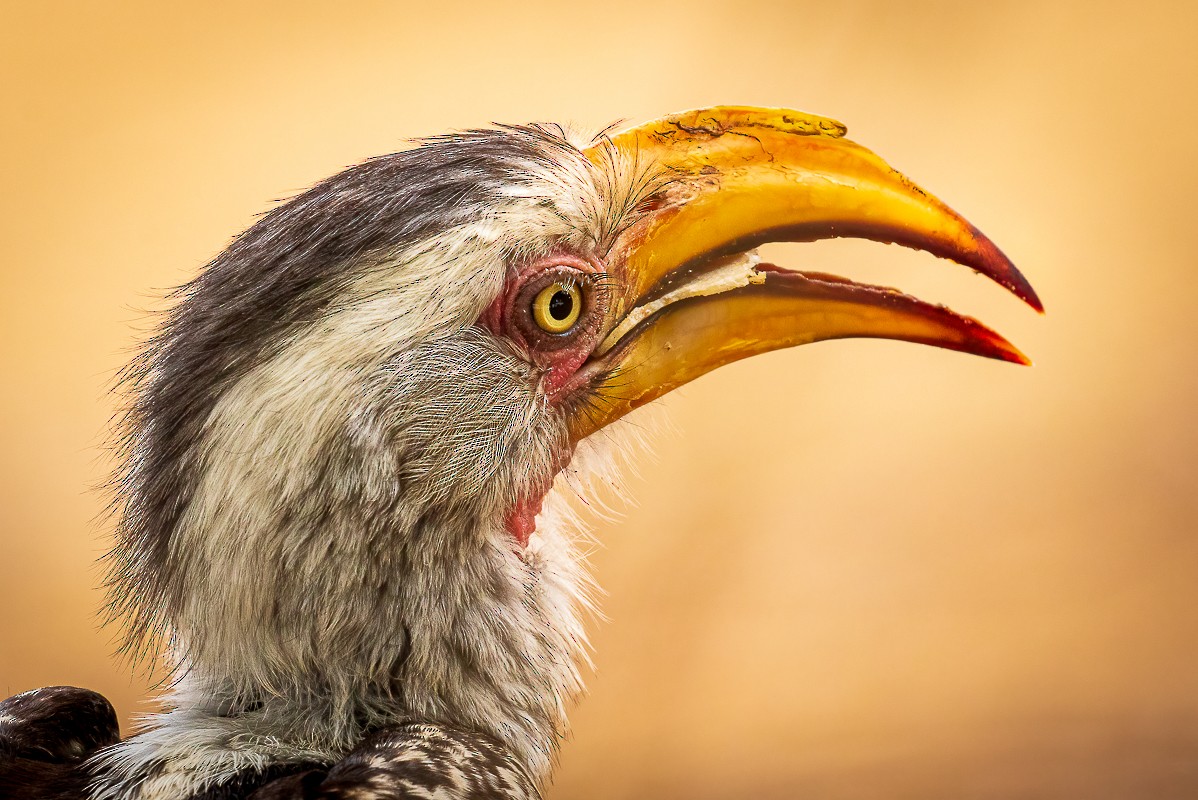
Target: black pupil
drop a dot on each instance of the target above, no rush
(560, 305)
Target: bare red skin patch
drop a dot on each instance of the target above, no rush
(557, 362)
(521, 520)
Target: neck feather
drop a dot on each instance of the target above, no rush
(450, 623)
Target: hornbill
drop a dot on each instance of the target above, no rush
(337, 508)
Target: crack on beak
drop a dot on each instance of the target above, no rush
(728, 273)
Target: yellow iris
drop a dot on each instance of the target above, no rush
(556, 307)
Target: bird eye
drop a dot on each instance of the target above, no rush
(555, 309)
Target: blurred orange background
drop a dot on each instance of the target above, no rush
(856, 570)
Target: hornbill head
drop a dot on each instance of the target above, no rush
(343, 437)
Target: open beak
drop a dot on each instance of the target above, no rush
(690, 294)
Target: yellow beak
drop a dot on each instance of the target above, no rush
(688, 294)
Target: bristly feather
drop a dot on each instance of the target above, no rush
(317, 457)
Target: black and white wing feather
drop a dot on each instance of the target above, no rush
(412, 761)
(46, 735)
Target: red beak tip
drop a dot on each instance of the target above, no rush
(1032, 299)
